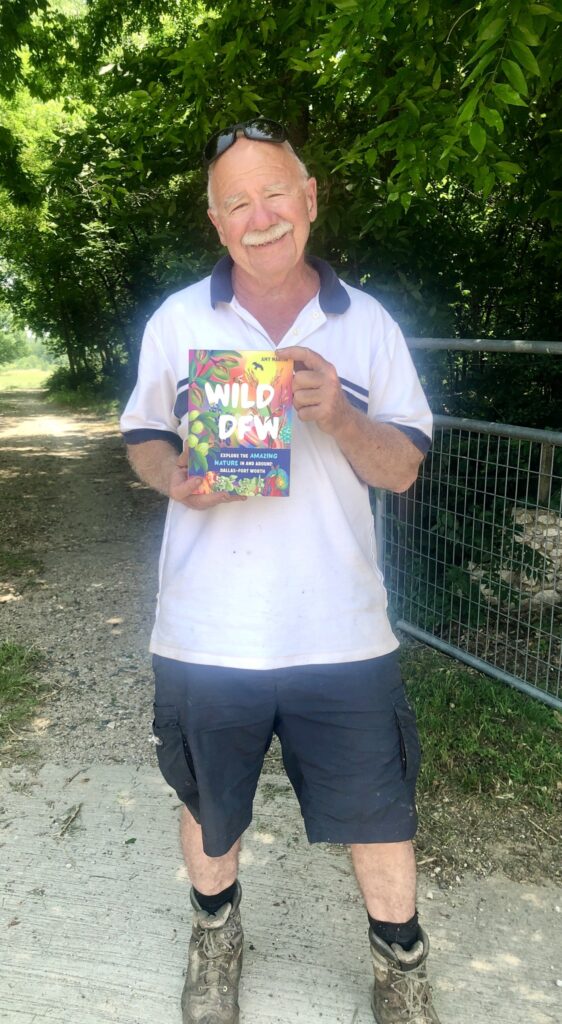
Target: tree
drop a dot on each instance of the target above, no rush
(433, 127)
(13, 342)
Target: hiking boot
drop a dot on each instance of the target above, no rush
(401, 994)
(210, 993)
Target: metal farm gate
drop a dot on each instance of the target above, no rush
(472, 553)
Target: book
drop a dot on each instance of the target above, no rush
(240, 408)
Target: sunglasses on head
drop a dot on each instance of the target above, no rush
(261, 129)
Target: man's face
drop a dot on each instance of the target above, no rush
(263, 207)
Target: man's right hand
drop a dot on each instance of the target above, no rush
(184, 489)
(157, 464)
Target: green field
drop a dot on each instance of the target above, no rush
(16, 378)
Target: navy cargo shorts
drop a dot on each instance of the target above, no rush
(348, 737)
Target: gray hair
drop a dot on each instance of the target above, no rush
(303, 171)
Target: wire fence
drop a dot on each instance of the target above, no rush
(472, 554)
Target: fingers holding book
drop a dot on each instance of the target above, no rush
(317, 392)
(192, 492)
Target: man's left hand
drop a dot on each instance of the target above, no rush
(317, 392)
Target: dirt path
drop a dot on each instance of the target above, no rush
(93, 894)
(82, 590)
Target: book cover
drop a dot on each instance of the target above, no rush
(240, 412)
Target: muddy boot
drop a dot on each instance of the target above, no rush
(401, 994)
(210, 993)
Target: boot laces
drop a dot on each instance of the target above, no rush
(413, 993)
(214, 970)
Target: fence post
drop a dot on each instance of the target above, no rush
(379, 526)
(546, 467)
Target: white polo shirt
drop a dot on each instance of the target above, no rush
(268, 583)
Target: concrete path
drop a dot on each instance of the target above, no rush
(94, 915)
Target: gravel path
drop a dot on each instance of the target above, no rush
(89, 534)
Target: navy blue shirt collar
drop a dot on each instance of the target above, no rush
(333, 297)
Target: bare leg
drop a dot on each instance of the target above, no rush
(209, 875)
(386, 873)
(213, 971)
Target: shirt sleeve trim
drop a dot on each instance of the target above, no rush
(417, 437)
(355, 400)
(355, 387)
(142, 435)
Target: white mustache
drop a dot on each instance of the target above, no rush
(271, 234)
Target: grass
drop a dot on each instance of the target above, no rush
(480, 736)
(85, 399)
(19, 563)
(96, 397)
(20, 690)
(19, 378)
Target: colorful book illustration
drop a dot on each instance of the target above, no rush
(240, 410)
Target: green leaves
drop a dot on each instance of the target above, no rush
(491, 29)
(508, 95)
(468, 107)
(480, 67)
(544, 9)
(525, 32)
(407, 116)
(507, 170)
(477, 136)
(524, 56)
(513, 73)
(492, 117)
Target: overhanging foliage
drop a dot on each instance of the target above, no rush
(433, 127)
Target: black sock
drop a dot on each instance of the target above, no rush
(406, 934)
(213, 903)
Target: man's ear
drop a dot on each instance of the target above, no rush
(310, 193)
(216, 224)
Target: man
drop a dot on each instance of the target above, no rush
(303, 649)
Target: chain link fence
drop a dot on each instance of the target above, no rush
(472, 554)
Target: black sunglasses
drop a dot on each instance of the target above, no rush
(259, 130)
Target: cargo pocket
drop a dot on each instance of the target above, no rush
(410, 750)
(174, 757)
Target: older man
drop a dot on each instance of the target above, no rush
(309, 653)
